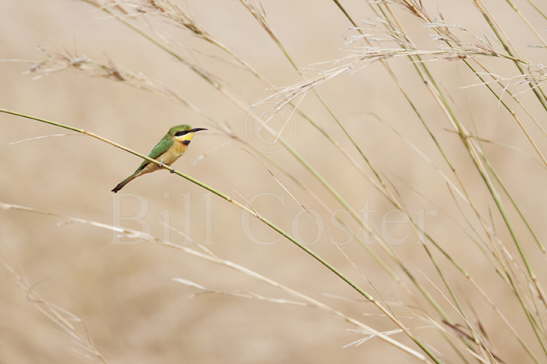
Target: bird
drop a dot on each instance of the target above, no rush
(167, 151)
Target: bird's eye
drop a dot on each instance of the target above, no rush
(182, 132)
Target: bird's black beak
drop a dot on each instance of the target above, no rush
(196, 129)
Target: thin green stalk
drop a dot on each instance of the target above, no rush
(536, 8)
(517, 208)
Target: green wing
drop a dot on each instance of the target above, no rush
(158, 150)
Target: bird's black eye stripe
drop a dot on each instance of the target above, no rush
(180, 133)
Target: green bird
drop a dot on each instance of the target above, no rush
(167, 151)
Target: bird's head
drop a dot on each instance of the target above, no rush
(183, 133)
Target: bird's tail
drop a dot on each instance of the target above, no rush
(120, 185)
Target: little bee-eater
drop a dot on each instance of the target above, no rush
(167, 151)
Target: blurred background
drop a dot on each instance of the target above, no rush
(122, 289)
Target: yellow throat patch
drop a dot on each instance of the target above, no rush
(185, 139)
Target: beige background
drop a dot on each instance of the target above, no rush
(123, 292)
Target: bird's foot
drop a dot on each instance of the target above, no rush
(168, 167)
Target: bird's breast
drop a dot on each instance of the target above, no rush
(173, 153)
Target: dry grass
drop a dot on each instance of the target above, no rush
(399, 145)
